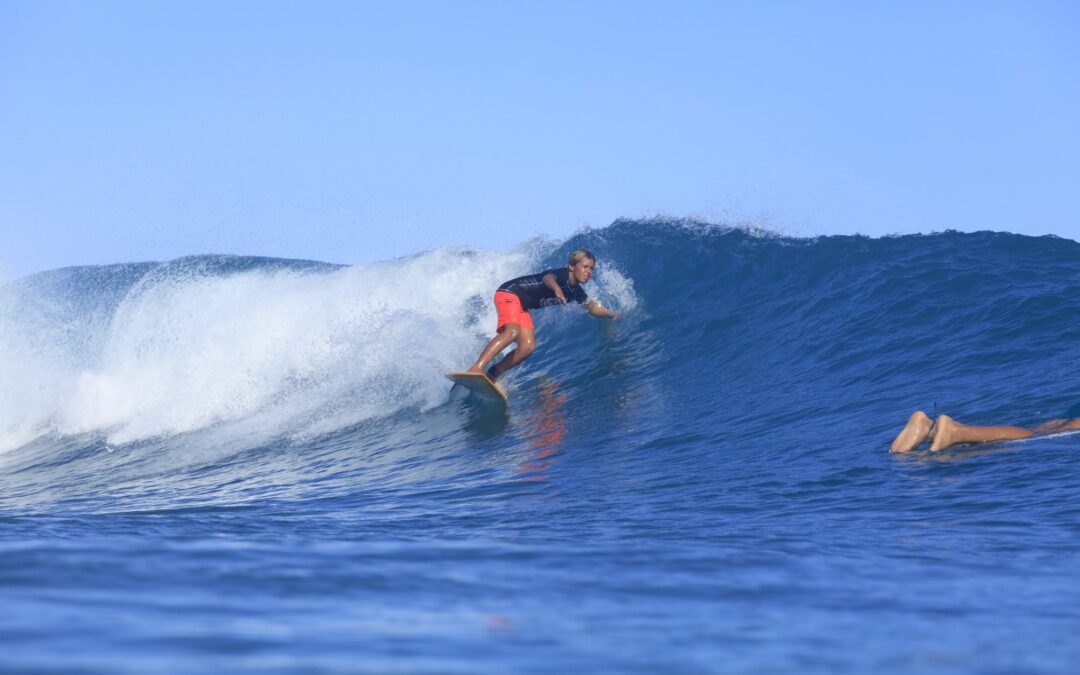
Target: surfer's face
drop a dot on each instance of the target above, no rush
(581, 271)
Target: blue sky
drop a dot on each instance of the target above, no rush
(353, 131)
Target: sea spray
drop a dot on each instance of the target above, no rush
(197, 342)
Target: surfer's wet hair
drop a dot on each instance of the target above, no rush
(579, 255)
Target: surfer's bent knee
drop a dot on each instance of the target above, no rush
(526, 347)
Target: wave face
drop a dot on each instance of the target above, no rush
(711, 471)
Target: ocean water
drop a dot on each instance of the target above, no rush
(224, 464)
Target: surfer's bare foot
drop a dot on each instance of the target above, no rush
(944, 431)
(913, 434)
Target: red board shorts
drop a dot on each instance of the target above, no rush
(510, 310)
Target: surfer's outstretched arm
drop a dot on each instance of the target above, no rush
(596, 309)
(947, 432)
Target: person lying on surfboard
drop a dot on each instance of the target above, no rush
(946, 432)
(515, 298)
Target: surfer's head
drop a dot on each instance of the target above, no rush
(581, 264)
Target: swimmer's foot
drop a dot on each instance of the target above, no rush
(944, 430)
(914, 434)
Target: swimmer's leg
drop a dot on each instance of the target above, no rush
(948, 432)
(913, 434)
(1057, 426)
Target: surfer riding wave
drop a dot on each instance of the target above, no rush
(515, 298)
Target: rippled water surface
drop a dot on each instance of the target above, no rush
(227, 464)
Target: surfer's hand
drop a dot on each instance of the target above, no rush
(561, 296)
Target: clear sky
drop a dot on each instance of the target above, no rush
(358, 131)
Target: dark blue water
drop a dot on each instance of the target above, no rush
(229, 464)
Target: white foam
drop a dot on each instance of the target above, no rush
(612, 288)
(265, 352)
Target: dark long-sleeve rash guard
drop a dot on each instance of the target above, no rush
(534, 293)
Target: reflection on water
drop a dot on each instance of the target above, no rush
(547, 426)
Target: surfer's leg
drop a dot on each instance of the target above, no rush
(913, 434)
(513, 318)
(948, 432)
(509, 333)
(526, 344)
